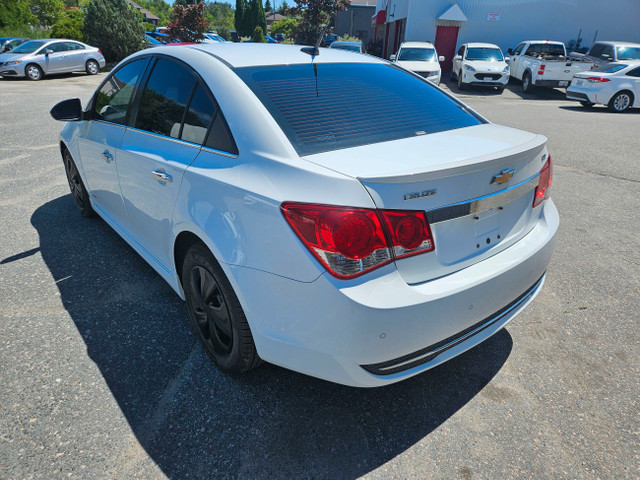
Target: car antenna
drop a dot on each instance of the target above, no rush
(315, 50)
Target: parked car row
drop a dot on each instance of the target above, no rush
(9, 43)
(37, 58)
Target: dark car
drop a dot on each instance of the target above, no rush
(9, 43)
(279, 37)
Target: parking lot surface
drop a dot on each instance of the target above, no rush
(101, 377)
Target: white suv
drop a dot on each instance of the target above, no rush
(480, 64)
(421, 58)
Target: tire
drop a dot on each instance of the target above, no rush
(620, 102)
(92, 67)
(526, 82)
(586, 104)
(460, 82)
(216, 314)
(33, 72)
(78, 191)
(452, 76)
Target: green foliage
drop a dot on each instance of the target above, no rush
(238, 18)
(220, 16)
(159, 8)
(286, 26)
(267, 6)
(348, 38)
(15, 14)
(114, 27)
(70, 25)
(316, 13)
(257, 16)
(148, 27)
(258, 35)
(284, 6)
(188, 23)
(47, 11)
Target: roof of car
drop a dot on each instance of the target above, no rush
(254, 54)
(417, 44)
(481, 45)
(618, 44)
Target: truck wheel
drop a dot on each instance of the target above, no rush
(620, 102)
(526, 82)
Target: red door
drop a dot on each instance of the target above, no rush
(446, 40)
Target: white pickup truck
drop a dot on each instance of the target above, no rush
(543, 63)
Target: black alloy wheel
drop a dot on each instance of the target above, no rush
(216, 314)
(78, 191)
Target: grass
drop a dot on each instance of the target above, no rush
(26, 32)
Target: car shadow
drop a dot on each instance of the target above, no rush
(197, 422)
(598, 109)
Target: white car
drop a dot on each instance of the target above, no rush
(421, 58)
(480, 64)
(616, 85)
(358, 241)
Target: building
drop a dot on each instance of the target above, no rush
(504, 22)
(148, 16)
(271, 17)
(356, 20)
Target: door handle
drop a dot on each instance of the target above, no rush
(107, 156)
(161, 176)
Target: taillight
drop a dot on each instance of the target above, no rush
(541, 69)
(598, 79)
(544, 184)
(350, 241)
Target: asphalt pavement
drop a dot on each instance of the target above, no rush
(101, 377)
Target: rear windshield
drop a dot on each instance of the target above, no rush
(610, 67)
(352, 104)
(544, 49)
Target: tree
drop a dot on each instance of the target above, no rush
(267, 6)
(47, 11)
(314, 14)
(188, 24)
(220, 16)
(114, 27)
(257, 16)
(70, 25)
(238, 19)
(15, 14)
(286, 26)
(258, 35)
(284, 6)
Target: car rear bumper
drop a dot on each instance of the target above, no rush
(587, 95)
(375, 331)
(552, 83)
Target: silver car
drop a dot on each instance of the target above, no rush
(38, 58)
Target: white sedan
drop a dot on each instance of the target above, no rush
(320, 210)
(616, 85)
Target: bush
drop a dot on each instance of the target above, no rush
(70, 26)
(286, 26)
(114, 27)
(148, 27)
(258, 35)
(188, 24)
(348, 38)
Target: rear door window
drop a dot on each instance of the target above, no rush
(164, 99)
(329, 106)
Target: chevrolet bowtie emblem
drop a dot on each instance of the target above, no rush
(503, 177)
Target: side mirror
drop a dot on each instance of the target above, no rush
(457, 57)
(510, 51)
(506, 59)
(67, 110)
(48, 51)
(441, 58)
(392, 58)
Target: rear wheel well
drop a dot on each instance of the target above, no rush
(184, 241)
(63, 148)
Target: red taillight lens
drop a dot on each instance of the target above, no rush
(598, 79)
(544, 184)
(541, 69)
(350, 241)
